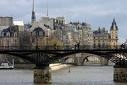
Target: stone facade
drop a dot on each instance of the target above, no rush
(101, 38)
(120, 74)
(6, 21)
(114, 34)
(42, 75)
(79, 33)
(10, 37)
(104, 39)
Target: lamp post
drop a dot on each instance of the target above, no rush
(82, 43)
(47, 42)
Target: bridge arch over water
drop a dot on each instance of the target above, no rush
(43, 57)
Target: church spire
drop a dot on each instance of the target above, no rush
(114, 25)
(114, 22)
(47, 9)
(33, 18)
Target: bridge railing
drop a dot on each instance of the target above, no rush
(65, 47)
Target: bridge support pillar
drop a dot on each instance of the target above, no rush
(120, 74)
(42, 75)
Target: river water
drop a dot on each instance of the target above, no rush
(80, 75)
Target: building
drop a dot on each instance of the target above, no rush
(6, 21)
(81, 33)
(20, 25)
(86, 34)
(51, 26)
(114, 34)
(10, 31)
(71, 34)
(101, 38)
(38, 37)
(9, 34)
(48, 22)
(104, 39)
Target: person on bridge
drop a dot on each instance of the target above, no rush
(78, 45)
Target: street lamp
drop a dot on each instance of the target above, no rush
(82, 37)
(47, 42)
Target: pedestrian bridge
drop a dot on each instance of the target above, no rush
(43, 56)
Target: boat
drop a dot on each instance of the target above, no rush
(5, 65)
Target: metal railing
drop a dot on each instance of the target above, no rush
(65, 47)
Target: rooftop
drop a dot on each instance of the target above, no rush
(19, 23)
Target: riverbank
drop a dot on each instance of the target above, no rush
(53, 67)
(58, 66)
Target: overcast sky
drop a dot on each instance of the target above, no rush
(95, 12)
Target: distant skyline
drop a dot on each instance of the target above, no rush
(95, 12)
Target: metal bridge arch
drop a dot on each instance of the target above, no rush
(45, 57)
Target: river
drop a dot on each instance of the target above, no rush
(80, 75)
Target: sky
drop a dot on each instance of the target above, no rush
(98, 13)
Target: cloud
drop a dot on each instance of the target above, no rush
(96, 12)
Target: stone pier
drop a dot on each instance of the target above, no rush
(120, 74)
(42, 75)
